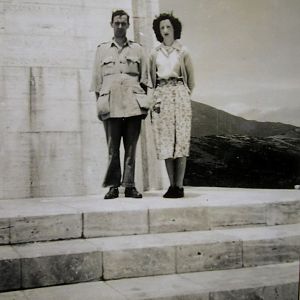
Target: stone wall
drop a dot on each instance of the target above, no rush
(51, 141)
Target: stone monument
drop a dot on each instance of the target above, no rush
(52, 143)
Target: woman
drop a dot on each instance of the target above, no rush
(172, 77)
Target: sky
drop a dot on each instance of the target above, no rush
(246, 55)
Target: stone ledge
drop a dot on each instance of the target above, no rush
(273, 282)
(52, 263)
(43, 219)
(45, 264)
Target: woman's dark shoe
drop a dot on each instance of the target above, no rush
(112, 193)
(179, 192)
(132, 193)
(174, 192)
(170, 192)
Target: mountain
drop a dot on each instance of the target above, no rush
(230, 151)
(208, 120)
(243, 161)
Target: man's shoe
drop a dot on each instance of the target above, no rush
(112, 193)
(132, 193)
(170, 192)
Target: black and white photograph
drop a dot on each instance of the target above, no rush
(149, 150)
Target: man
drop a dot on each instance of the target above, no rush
(120, 78)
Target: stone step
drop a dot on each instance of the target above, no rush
(271, 282)
(46, 219)
(59, 262)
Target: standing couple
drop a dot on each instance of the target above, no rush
(120, 82)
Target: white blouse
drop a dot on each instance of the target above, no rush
(168, 63)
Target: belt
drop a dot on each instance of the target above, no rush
(171, 81)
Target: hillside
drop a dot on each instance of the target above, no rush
(230, 151)
(208, 120)
(241, 161)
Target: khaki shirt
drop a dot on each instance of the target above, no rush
(117, 74)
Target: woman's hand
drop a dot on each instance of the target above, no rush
(156, 108)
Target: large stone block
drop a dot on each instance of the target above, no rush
(62, 19)
(270, 244)
(42, 18)
(10, 269)
(178, 219)
(56, 166)
(14, 93)
(40, 164)
(138, 262)
(43, 50)
(15, 165)
(271, 251)
(45, 228)
(59, 116)
(94, 157)
(283, 213)
(4, 230)
(214, 256)
(46, 99)
(110, 223)
(14, 115)
(54, 99)
(231, 216)
(270, 282)
(136, 255)
(55, 263)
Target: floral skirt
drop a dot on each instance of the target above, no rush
(172, 125)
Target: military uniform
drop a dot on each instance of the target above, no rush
(119, 77)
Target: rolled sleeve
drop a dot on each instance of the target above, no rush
(144, 69)
(189, 71)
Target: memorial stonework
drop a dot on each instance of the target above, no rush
(216, 243)
(52, 143)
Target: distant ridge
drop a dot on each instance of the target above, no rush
(230, 151)
(208, 120)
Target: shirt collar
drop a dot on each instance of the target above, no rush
(127, 43)
(176, 45)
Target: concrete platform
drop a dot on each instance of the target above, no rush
(45, 219)
(127, 248)
(272, 282)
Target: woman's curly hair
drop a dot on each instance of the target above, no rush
(174, 21)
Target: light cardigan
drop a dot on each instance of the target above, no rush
(186, 66)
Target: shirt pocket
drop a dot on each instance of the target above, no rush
(133, 63)
(143, 100)
(108, 65)
(103, 107)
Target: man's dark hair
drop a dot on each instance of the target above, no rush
(174, 21)
(119, 12)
